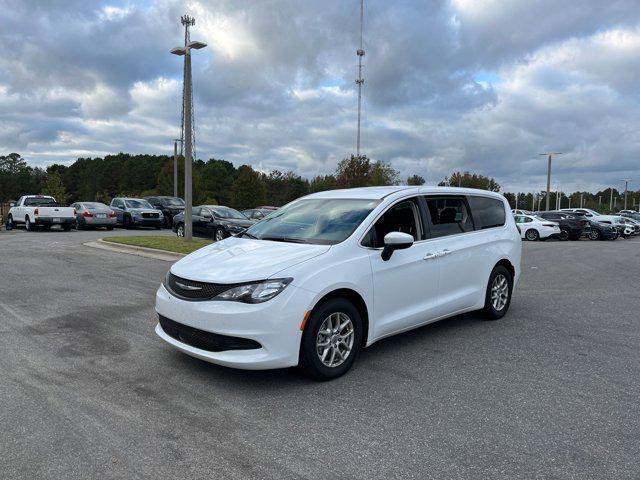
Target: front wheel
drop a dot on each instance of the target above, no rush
(220, 234)
(331, 340)
(564, 235)
(498, 295)
(594, 235)
(180, 230)
(532, 235)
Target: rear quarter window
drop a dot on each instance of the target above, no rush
(487, 212)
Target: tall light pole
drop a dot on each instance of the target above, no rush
(626, 186)
(611, 201)
(175, 166)
(188, 132)
(549, 154)
(360, 80)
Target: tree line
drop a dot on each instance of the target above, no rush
(219, 182)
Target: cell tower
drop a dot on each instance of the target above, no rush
(360, 80)
(187, 21)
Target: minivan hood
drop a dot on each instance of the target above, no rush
(235, 260)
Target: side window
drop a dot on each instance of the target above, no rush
(449, 216)
(403, 217)
(487, 212)
(196, 212)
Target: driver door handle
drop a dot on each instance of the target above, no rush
(430, 256)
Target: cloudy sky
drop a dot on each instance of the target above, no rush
(483, 85)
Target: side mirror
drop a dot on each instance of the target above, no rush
(12, 204)
(395, 241)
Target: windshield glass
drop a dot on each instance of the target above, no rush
(40, 201)
(137, 204)
(321, 221)
(226, 212)
(95, 205)
(173, 202)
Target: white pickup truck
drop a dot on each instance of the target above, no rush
(41, 210)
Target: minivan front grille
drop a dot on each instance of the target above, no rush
(192, 290)
(211, 342)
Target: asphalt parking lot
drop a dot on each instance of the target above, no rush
(88, 390)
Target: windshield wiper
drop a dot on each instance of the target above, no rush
(247, 234)
(285, 239)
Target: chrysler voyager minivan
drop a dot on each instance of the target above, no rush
(333, 272)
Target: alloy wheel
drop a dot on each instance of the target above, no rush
(180, 231)
(499, 292)
(531, 235)
(219, 234)
(334, 341)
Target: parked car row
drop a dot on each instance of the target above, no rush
(216, 222)
(574, 223)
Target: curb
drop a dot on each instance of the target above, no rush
(134, 250)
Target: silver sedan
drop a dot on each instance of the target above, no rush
(94, 214)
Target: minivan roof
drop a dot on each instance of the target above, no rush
(378, 193)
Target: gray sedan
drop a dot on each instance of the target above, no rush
(94, 214)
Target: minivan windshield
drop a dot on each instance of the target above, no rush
(324, 221)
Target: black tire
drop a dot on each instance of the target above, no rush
(180, 230)
(66, 228)
(532, 235)
(564, 235)
(573, 238)
(28, 225)
(10, 220)
(168, 221)
(109, 228)
(491, 312)
(127, 223)
(595, 235)
(220, 234)
(310, 361)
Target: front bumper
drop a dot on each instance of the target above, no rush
(274, 324)
(147, 221)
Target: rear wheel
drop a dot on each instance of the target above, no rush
(498, 295)
(564, 235)
(532, 234)
(331, 340)
(10, 220)
(594, 235)
(28, 225)
(180, 230)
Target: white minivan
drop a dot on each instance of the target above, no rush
(333, 272)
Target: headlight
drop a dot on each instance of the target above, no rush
(255, 292)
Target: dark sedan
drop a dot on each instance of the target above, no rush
(213, 221)
(571, 228)
(602, 231)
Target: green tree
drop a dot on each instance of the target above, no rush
(382, 174)
(320, 183)
(471, 180)
(248, 189)
(415, 180)
(353, 172)
(55, 188)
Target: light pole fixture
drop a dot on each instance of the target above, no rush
(188, 142)
(549, 154)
